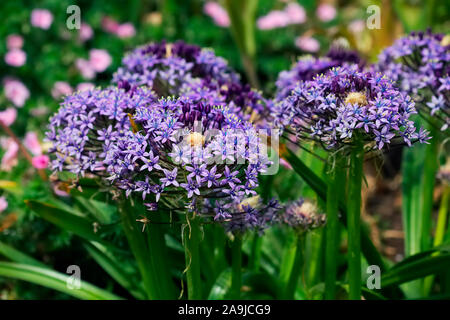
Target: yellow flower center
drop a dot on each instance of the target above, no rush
(358, 98)
(252, 202)
(195, 139)
(445, 41)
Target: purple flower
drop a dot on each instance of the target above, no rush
(308, 67)
(170, 178)
(302, 215)
(420, 64)
(191, 187)
(242, 214)
(346, 104)
(211, 177)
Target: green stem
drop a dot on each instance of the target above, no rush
(256, 251)
(354, 221)
(138, 246)
(236, 267)
(294, 275)
(442, 217)
(191, 240)
(440, 232)
(158, 253)
(429, 178)
(332, 231)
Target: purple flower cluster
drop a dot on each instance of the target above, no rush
(420, 64)
(307, 67)
(183, 69)
(302, 215)
(347, 104)
(242, 214)
(168, 67)
(187, 149)
(88, 123)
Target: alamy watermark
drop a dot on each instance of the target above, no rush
(73, 282)
(374, 280)
(73, 21)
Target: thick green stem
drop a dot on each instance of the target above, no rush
(191, 240)
(296, 270)
(354, 221)
(332, 230)
(256, 251)
(430, 170)
(236, 267)
(138, 246)
(159, 259)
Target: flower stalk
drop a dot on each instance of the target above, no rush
(191, 241)
(236, 267)
(296, 270)
(354, 220)
(139, 249)
(335, 182)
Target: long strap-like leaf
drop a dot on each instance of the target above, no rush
(53, 280)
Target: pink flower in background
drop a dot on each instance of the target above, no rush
(9, 159)
(295, 12)
(326, 12)
(3, 204)
(40, 162)
(99, 59)
(15, 58)
(85, 86)
(308, 44)
(61, 88)
(285, 164)
(110, 25)
(14, 41)
(357, 26)
(16, 92)
(41, 18)
(39, 111)
(126, 30)
(31, 142)
(217, 13)
(86, 32)
(274, 19)
(8, 116)
(85, 68)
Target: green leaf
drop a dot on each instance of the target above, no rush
(17, 256)
(80, 226)
(415, 269)
(53, 280)
(221, 286)
(112, 267)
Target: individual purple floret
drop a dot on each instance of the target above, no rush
(420, 64)
(307, 67)
(347, 104)
(302, 215)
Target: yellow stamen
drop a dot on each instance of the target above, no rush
(195, 139)
(358, 98)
